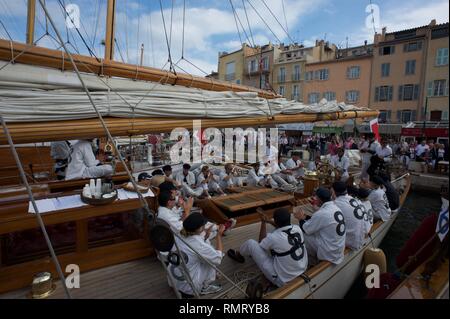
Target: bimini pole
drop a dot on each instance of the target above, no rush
(36, 210)
(100, 117)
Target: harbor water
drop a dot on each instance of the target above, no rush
(417, 206)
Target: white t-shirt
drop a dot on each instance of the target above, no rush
(327, 228)
(254, 179)
(295, 261)
(290, 164)
(354, 215)
(172, 217)
(198, 269)
(342, 163)
(81, 158)
(271, 168)
(368, 218)
(384, 153)
(420, 149)
(367, 146)
(380, 204)
(190, 178)
(232, 181)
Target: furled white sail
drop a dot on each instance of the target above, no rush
(30, 93)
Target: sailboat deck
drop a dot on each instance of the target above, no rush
(145, 278)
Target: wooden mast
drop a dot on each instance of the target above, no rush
(109, 37)
(31, 15)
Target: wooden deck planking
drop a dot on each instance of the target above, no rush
(145, 278)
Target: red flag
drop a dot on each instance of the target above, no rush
(374, 128)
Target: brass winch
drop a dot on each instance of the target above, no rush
(42, 286)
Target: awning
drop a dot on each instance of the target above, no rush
(296, 127)
(328, 129)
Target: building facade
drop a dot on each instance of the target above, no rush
(403, 61)
(231, 65)
(344, 78)
(258, 66)
(436, 77)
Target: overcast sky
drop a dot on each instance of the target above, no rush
(210, 26)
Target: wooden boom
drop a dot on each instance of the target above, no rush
(91, 128)
(34, 55)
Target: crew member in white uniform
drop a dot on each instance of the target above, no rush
(354, 215)
(367, 149)
(341, 162)
(208, 182)
(325, 231)
(379, 200)
(293, 169)
(314, 165)
(186, 179)
(255, 176)
(202, 274)
(83, 164)
(273, 173)
(384, 151)
(363, 195)
(280, 255)
(228, 178)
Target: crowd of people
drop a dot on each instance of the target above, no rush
(343, 215)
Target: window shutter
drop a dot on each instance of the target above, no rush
(391, 91)
(446, 88)
(445, 115)
(416, 92)
(399, 116)
(400, 93)
(419, 45)
(405, 47)
(393, 49)
(377, 94)
(388, 116)
(413, 116)
(430, 88)
(316, 75)
(380, 50)
(357, 95)
(348, 73)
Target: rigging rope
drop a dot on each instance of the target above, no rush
(126, 30)
(172, 69)
(284, 13)
(248, 23)
(264, 21)
(239, 20)
(184, 22)
(235, 20)
(100, 117)
(138, 30)
(36, 210)
(273, 15)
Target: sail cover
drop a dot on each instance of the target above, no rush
(34, 94)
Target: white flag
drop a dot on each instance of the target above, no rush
(442, 224)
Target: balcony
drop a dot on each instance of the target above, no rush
(258, 71)
(230, 77)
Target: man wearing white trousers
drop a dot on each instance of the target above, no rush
(280, 255)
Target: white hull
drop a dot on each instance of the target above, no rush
(335, 281)
(328, 281)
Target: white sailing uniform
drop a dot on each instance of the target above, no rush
(325, 233)
(201, 273)
(233, 181)
(82, 163)
(291, 164)
(186, 183)
(380, 204)
(355, 226)
(212, 185)
(280, 258)
(342, 164)
(369, 213)
(254, 179)
(365, 157)
(385, 153)
(273, 170)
